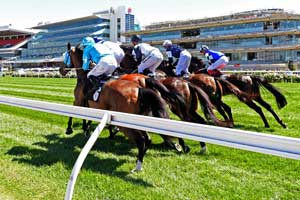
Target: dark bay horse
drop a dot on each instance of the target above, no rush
(123, 96)
(190, 93)
(251, 85)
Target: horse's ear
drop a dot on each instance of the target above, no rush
(69, 46)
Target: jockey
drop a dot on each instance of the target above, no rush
(114, 47)
(147, 57)
(183, 56)
(102, 59)
(216, 60)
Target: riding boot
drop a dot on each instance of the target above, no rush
(94, 84)
(184, 75)
(148, 73)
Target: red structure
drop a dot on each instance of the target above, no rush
(12, 39)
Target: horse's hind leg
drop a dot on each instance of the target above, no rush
(140, 141)
(227, 109)
(69, 129)
(221, 110)
(169, 142)
(269, 108)
(252, 105)
(147, 140)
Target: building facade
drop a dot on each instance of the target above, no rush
(259, 39)
(45, 48)
(12, 40)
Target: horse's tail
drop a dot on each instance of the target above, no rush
(170, 97)
(280, 98)
(207, 105)
(151, 101)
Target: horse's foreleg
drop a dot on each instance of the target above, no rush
(113, 130)
(203, 148)
(86, 127)
(69, 129)
(252, 105)
(269, 108)
(186, 149)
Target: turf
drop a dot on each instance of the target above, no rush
(36, 157)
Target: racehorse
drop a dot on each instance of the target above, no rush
(251, 85)
(123, 96)
(214, 89)
(191, 95)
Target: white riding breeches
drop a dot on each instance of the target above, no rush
(151, 62)
(219, 64)
(106, 65)
(183, 62)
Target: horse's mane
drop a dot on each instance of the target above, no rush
(127, 49)
(79, 50)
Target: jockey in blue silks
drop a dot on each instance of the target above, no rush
(183, 56)
(114, 47)
(216, 60)
(102, 59)
(147, 56)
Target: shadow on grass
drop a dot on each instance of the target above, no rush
(66, 150)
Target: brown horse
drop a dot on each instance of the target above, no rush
(123, 96)
(251, 85)
(79, 99)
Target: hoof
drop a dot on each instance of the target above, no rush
(267, 126)
(187, 149)
(69, 131)
(178, 147)
(284, 126)
(87, 133)
(203, 150)
(138, 167)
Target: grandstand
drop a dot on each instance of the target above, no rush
(257, 39)
(46, 47)
(12, 39)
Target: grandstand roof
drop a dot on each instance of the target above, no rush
(237, 18)
(42, 26)
(11, 30)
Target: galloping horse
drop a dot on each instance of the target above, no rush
(251, 85)
(214, 89)
(191, 94)
(123, 96)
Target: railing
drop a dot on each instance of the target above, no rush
(252, 141)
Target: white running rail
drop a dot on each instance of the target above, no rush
(252, 141)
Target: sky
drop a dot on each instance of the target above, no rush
(29, 13)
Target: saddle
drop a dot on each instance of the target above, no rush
(215, 72)
(94, 86)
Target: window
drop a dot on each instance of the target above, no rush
(251, 56)
(268, 40)
(190, 33)
(229, 55)
(190, 45)
(276, 25)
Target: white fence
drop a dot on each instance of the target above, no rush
(252, 141)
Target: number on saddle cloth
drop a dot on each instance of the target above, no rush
(95, 85)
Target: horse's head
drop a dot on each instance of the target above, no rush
(72, 59)
(128, 64)
(167, 68)
(196, 65)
